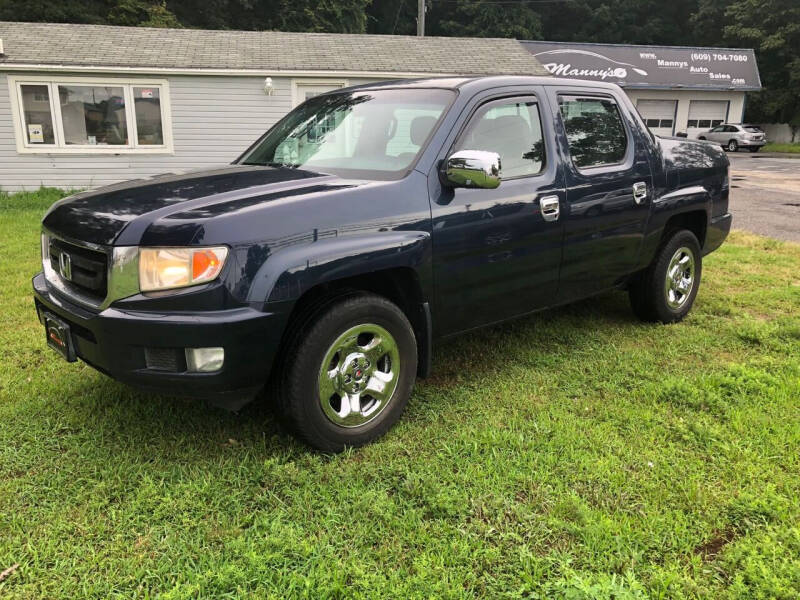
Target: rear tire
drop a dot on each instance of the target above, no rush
(665, 291)
(733, 146)
(348, 374)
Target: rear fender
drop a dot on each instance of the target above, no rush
(692, 198)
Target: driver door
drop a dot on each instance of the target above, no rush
(495, 254)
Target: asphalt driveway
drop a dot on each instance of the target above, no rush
(765, 195)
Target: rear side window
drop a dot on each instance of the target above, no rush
(512, 129)
(595, 131)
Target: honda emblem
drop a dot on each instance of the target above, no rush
(65, 266)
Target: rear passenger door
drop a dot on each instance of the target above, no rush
(609, 187)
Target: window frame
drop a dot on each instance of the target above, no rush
(299, 83)
(15, 84)
(487, 103)
(627, 156)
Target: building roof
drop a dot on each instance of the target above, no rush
(654, 67)
(92, 46)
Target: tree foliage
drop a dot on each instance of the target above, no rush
(771, 27)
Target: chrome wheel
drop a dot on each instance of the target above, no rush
(680, 278)
(733, 146)
(359, 375)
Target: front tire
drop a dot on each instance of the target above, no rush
(666, 290)
(348, 375)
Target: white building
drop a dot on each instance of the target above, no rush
(87, 105)
(676, 89)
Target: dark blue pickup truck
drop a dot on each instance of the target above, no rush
(369, 222)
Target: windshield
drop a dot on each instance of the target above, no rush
(369, 134)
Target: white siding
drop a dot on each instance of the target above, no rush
(213, 120)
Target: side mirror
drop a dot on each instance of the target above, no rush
(472, 169)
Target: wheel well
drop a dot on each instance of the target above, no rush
(695, 221)
(399, 285)
(702, 137)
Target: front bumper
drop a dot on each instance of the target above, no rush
(114, 341)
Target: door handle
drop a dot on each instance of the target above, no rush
(550, 207)
(639, 192)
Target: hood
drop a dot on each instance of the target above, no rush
(122, 212)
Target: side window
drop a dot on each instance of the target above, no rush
(513, 129)
(594, 130)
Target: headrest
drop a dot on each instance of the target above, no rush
(420, 129)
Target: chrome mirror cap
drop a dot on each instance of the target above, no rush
(473, 169)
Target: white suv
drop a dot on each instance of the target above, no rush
(732, 136)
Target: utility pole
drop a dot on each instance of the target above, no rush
(420, 18)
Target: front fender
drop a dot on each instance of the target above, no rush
(292, 271)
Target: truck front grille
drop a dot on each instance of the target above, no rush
(81, 267)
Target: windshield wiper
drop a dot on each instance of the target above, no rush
(275, 165)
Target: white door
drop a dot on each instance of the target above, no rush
(659, 115)
(705, 114)
(304, 91)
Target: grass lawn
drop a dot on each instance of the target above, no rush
(781, 148)
(574, 454)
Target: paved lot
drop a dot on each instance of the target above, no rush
(765, 195)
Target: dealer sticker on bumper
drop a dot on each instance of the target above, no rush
(59, 338)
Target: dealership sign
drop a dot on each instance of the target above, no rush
(650, 66)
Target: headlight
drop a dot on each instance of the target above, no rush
(169, 268)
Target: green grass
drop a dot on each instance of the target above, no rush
(578, 454)
(781, 148)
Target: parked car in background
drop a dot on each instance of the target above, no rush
(732, 136)
(364, 226)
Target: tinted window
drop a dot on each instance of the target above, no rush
(752, 129)
(511, 128)
(594, 130)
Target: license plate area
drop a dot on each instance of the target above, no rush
(59, 337)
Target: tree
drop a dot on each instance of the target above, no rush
(142, 13)
(475, 18)
(772, 28)
(335, 16)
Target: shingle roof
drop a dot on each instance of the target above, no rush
(103, 45)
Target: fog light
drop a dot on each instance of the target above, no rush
(204, 360)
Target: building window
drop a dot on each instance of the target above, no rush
(82, 115)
